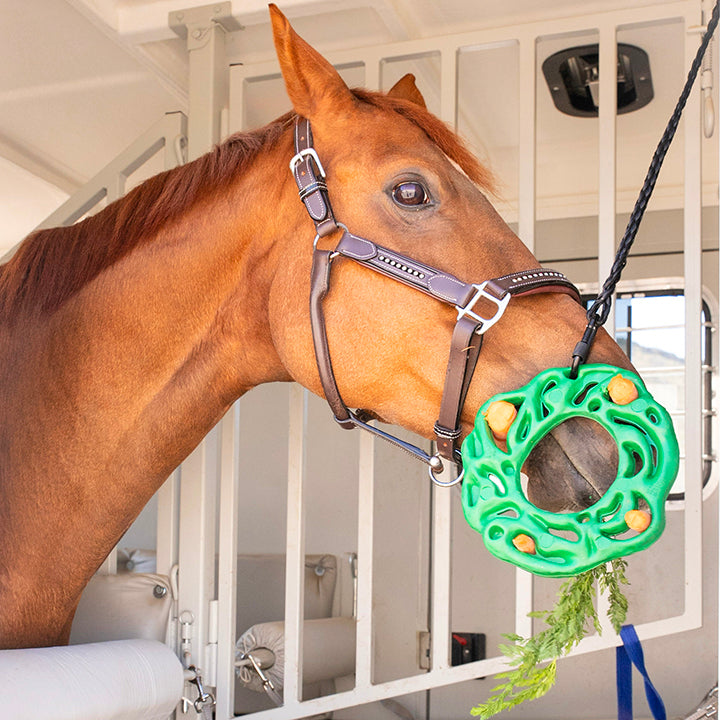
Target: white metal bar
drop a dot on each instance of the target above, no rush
(227, 560)
(366, 531)
(448, 86)
(692, 261)
(207, 87)
(527, 141)
(200, 473)
(716, 350)
(523, 602)
(109, 566)
(167, 523)
(116, 187)
(175, 144)
(198, 513)
(373, 70)
(295, 546)
(441, 575)
(459, 673)
(607, 156)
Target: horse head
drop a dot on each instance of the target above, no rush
(397, 175)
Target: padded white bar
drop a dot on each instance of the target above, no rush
(121, 680)
(328, 650)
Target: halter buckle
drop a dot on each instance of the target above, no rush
(299, 157)
(480, 292)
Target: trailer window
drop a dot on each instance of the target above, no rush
(650, 328)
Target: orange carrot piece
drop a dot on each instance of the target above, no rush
(637, 519)
(500, 415)
(524, 543)
(622, 391)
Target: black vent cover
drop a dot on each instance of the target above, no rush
(572, 76)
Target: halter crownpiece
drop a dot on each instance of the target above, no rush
(466, 298)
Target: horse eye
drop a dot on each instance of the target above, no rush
(410, 194)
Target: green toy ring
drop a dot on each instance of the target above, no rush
(570, 543)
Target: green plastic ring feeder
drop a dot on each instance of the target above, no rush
(569, 543)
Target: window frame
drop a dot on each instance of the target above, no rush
(675, 286)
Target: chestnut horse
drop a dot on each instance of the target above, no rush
(126, 337)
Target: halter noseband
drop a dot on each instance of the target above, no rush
(470, 326)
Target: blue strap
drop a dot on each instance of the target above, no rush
(628, 654)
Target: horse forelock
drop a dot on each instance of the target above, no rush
(52, 265)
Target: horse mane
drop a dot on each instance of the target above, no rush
(53, 264)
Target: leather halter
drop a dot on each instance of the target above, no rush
(467, 336)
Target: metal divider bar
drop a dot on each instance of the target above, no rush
(364, 640)
(199, 476)
(607, 197)
(607, 156)
(441, 575)
(527, 204)
(366, 531)
(524, 588)
(295, 548)
(227, 580)
(692, 261)
(167, 523)
(440, 606)
(527, 151)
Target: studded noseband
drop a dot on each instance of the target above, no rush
(469, 328)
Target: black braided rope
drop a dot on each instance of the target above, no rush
(600, 309)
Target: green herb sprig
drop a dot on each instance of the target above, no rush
(567, 624)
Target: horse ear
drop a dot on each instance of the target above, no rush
(310, 80)
(406, 89)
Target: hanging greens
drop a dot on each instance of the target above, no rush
(567, 623)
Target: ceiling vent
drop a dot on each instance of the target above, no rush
(573, 78)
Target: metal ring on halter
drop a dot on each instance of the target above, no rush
(342, 226)
(433, 476)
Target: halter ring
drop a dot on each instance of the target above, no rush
(434, 477)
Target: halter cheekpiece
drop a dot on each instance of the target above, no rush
(309, 174)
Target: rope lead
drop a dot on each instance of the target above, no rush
(600, 309)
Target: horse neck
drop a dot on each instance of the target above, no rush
(106, 395)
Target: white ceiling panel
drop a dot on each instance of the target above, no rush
(80, 79)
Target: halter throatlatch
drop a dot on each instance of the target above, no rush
(478, 306)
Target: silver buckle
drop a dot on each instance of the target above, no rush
(485, 323)
(296, 159)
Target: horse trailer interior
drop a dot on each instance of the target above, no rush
(279, 515)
